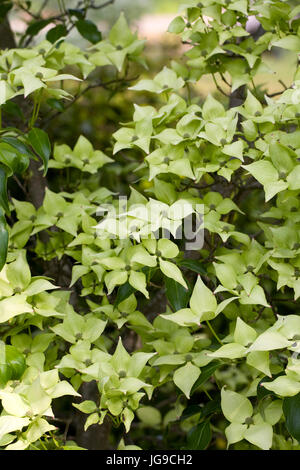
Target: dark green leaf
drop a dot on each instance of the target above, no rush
(190, 411)
(199, 437)
(13, 367)
(261, 390)
(3, 240)
(211, 407)
(57, 32)
(88, 30)
(291, 411)
(3, 190)
(39, 141)
(123, 293)
(193, 265)
(177, 295)
(206, 373)
(5, 374)
(149, 272)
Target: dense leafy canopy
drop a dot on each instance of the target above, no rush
(227, 343)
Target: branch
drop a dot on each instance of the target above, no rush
(7, 40)
(270, 95)
(33, 15)
(218, 86)
(44, 4)
(97, 84)
(103, 5)
(60, 16)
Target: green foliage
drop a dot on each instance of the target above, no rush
(191, 346)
